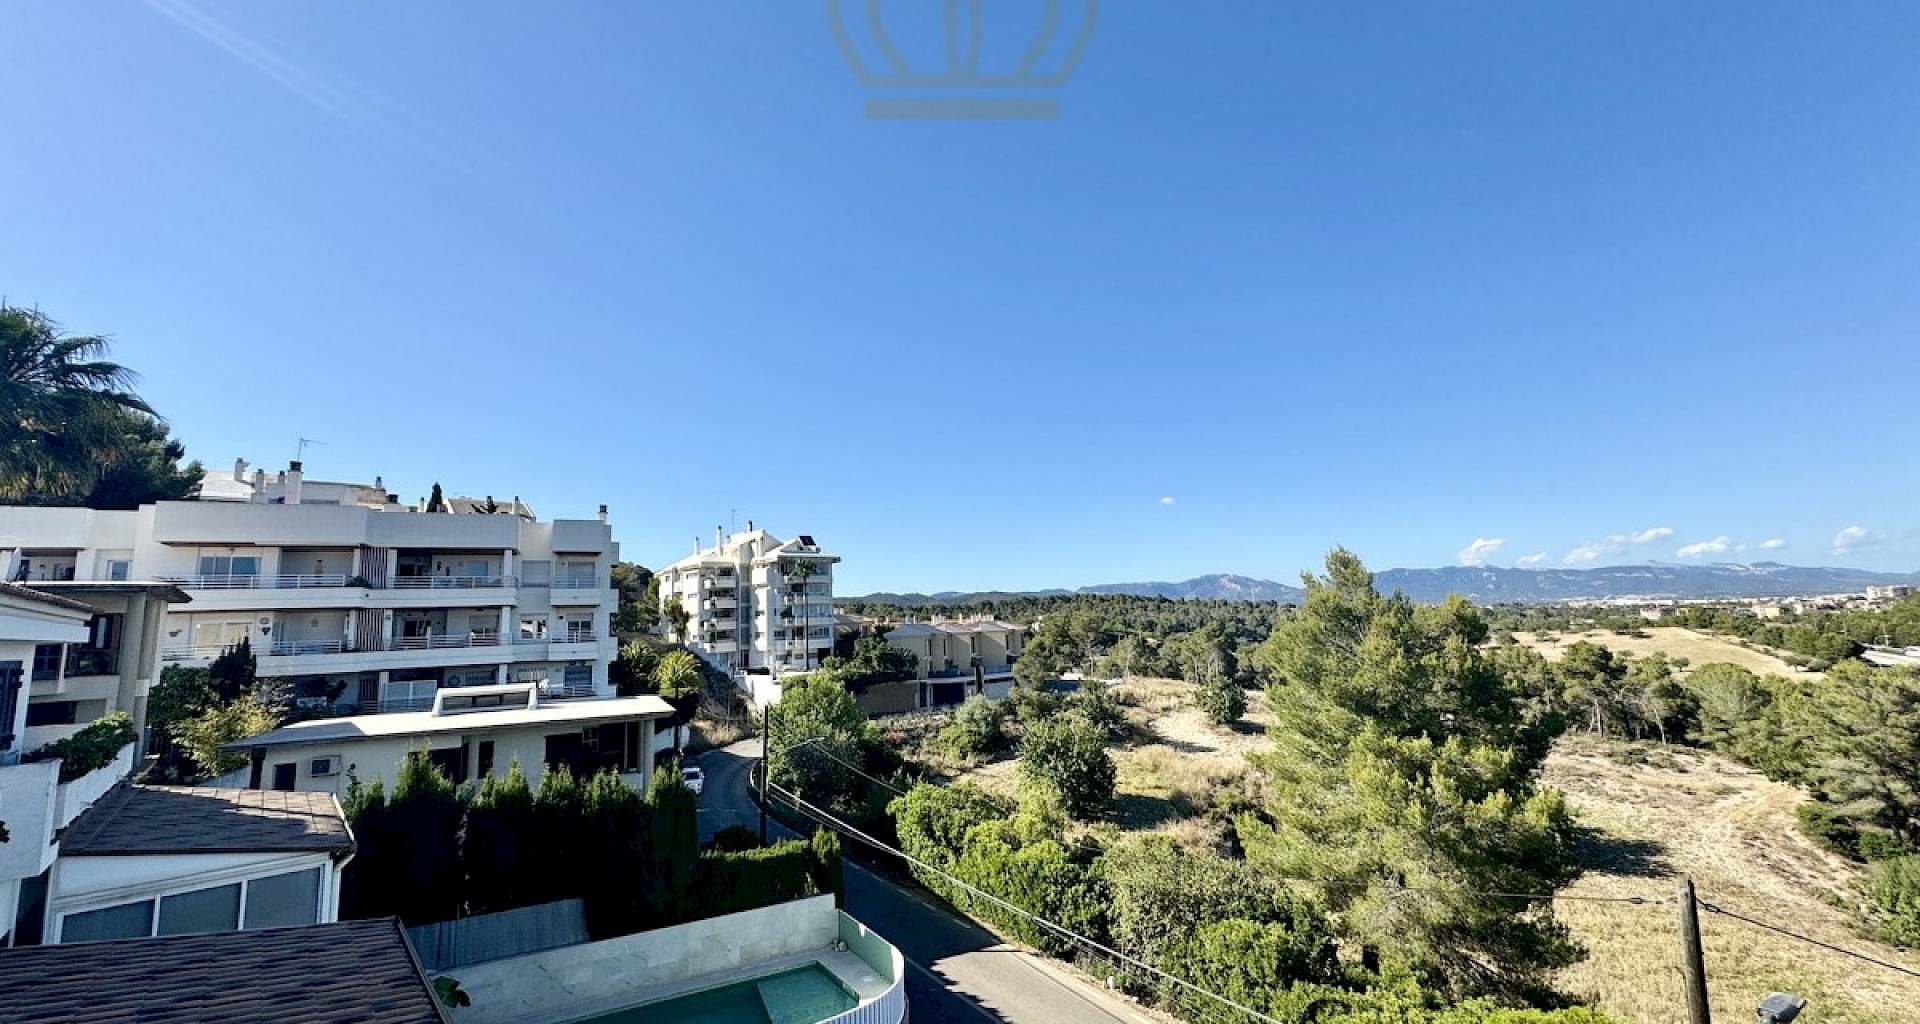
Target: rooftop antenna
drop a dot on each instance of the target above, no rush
(300, 454)
(733, 519)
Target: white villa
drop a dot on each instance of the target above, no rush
(960, 658)
(361, 603)
(758, 607)
(470, 733)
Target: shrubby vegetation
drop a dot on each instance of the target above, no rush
(1401, 787)
(92, 748)
(433, 851)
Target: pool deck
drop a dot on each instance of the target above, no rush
(856, 974)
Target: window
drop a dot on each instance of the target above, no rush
(126, 921)
(46, 661)
(280, 900)
(53, 712)
(118, 568)
(533, 628)
(203, 910)
(247, 566)
(9, 701)
(486, 759)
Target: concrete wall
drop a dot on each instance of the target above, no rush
(565, 983)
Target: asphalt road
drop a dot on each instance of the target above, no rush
(957, 972)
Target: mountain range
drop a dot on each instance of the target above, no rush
(1492, 584)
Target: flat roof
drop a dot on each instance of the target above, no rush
(145, 820)
(426, 723)
(168, 592)
(360, 971)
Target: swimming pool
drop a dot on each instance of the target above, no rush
(804, 995)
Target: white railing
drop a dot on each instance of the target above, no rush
(890, 1006)
(297, 648)
(295, 581)
(576, 638)
(576, 583)
(454, 582)
(440, 641)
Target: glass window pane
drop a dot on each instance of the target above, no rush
(292, 898)
(126, 921)
(205, 910)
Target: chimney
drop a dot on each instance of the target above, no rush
(603, 513)
(239, 471)
(719, 537)
(259, 495)
(749, 526)
(293, 482)
(696, 543)
(379, 485)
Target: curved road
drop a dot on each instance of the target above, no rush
(957, 972)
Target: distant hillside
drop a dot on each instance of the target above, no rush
(1492, 584)
(1489, 584)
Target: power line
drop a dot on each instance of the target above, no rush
(895, 790)
(1086, 844)
(1810, 940)
(840, 826)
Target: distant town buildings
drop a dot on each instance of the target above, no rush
(757, 607)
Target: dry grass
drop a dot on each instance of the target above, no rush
(710, 733)
(1672, 641)
(1684, 813)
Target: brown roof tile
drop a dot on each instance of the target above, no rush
(133, 820)
(354, 972)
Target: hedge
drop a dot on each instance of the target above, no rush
(91, 748)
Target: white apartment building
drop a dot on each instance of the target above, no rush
(361, 604)
(758, 607)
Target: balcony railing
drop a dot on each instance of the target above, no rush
(442, 641)
(455, 582)
(244, 581)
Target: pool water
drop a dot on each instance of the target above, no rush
(804, 995)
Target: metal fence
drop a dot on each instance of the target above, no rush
(477, 939)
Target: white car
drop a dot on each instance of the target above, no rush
(695, 779)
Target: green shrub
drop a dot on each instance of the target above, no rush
(826, 867)
(733, 839)
(1221, 699)
(1068, 757)
(727, 883)
(1033, 704)
(91, 748)
(1877, 845)
(1095, 703)
(1894, 888)
(976, 729)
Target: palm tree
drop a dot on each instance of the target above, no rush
(62, 407)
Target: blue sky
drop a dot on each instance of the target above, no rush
(1603, 282)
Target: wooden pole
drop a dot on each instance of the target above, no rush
(766, 723)
(1693, 961)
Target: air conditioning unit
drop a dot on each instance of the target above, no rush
(323, 766)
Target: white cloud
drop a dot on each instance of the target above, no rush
(1533, 559)
(1480, 550)
(1772, 544)
(1654, 535)
(1717, 545)
(1854, 538)
(1584, 553)
(1167, 500)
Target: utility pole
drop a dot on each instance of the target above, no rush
(766, 767)
(1693, 961)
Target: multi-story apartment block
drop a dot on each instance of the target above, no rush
(959, 658)
(757, 607)
(357, 602)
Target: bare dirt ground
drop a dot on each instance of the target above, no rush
(1685, 813)
(1672, 641)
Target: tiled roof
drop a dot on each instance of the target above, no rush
(29, 594)
(354, 972)
(135, 820)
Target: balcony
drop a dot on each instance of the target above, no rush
(250, 582)
(455, 582)
(577, 590)
(92, 661)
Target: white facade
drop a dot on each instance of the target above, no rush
(952, 655)
(360, 606)
(758, 607)
(470, 734)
